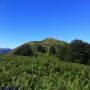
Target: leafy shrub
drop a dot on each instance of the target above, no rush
(24, 50)
(78, 51)
(52, 51)
(41, 49)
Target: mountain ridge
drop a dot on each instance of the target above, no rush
(43, 44)
(5, 50)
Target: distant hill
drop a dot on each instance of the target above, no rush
(5, 50)
(38, 47)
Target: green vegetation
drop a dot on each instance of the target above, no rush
(43, 73)
(25, 50)
(47, 65)
(40, 46)
(52, 51)
(52, 42)
(77, 51)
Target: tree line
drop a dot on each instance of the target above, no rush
(77, 51)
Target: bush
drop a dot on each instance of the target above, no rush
(78, 51)
(62, 51)
(41, 49)
(52, 51)
(24, 50)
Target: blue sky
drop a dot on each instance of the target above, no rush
(26, 20)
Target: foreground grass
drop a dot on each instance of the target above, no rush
(43, 73)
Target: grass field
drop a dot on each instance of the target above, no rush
(43, 73)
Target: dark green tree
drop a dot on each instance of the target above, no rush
(52, 51)
(78, 51)
(41, 49)
(62, 51)
(24, 50)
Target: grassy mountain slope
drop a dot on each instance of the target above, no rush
(43, 73)
(46, 43)
(52, 42)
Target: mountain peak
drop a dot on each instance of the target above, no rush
(49, 38)
(34, 45)
(52, 42)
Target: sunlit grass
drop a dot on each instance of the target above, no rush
(43, 73)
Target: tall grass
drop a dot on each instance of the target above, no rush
(43, 73)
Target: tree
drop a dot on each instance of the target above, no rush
(52, 51)
(78, 51)
(41, 49)
(24, 50)
(62, 51)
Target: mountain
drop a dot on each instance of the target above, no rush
(37, 47)
(5, 50)
(52, 42)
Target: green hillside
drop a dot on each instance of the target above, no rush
(77, 51)
(43, 73)
(45, 44)
(52, 42)
(46, 65)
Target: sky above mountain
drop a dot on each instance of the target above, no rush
(26, 20)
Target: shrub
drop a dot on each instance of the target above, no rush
(41, 49)
(78, 51)
(24, 50)
(52, 51)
